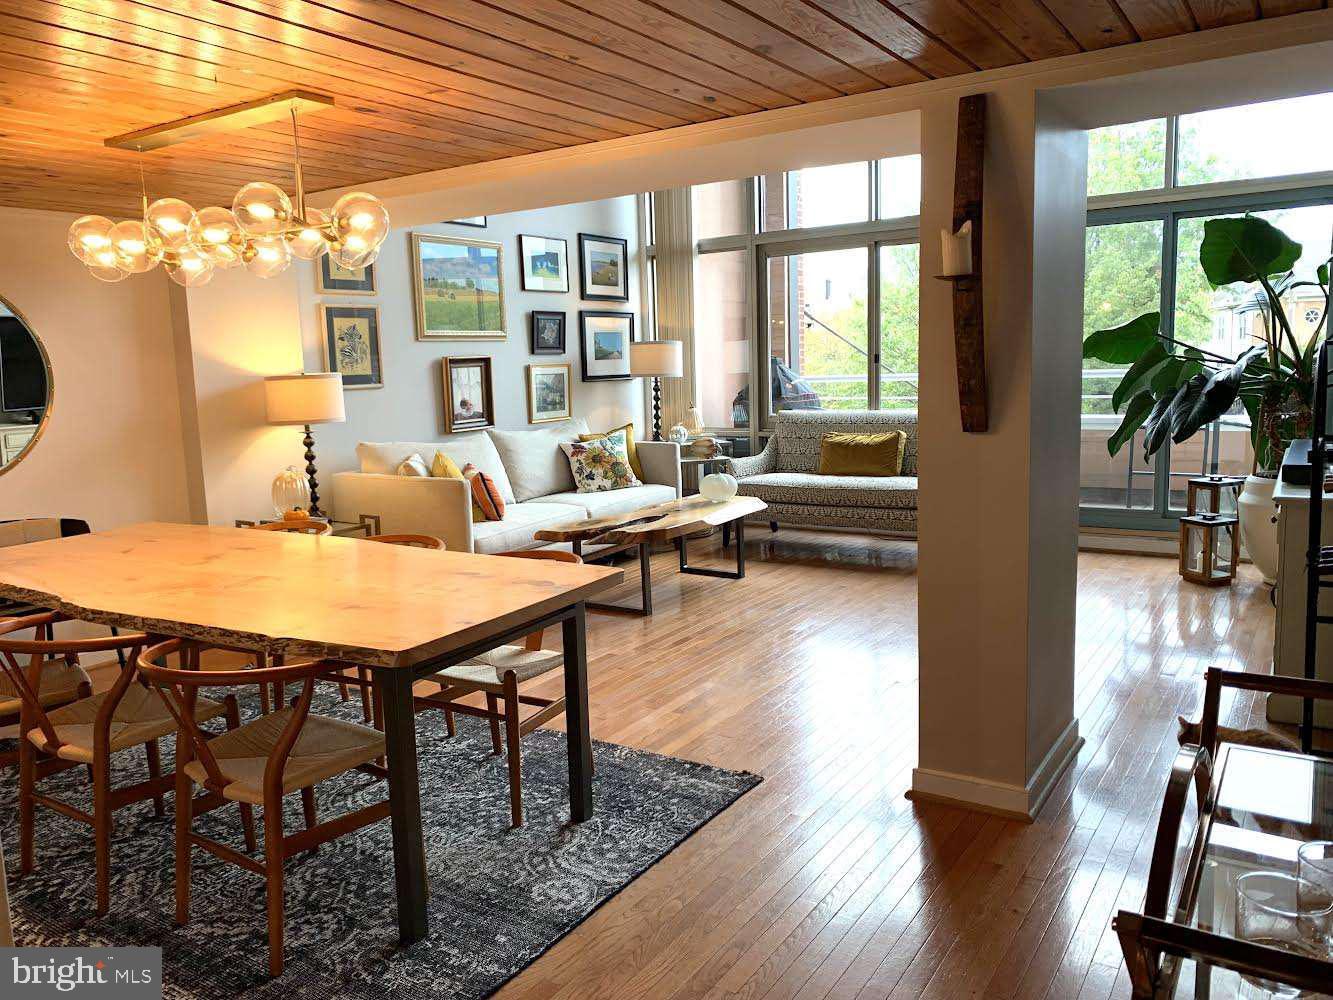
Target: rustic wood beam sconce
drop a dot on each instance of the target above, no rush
(962, 255)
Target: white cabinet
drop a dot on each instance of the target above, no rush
(13, 439)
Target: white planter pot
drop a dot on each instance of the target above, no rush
(1258, 525)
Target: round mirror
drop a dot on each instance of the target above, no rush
(25, 387)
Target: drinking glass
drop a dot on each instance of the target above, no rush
(1315, 895)
(1268, 912)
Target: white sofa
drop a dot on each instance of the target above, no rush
(529, 469)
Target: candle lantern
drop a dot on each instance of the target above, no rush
(1213, 495)
(1209, 548)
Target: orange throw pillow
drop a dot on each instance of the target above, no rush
(485, 496)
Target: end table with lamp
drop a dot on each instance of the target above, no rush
(304, 399)
(656, 359)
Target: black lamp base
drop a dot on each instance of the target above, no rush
(309, 443)
(657, 408)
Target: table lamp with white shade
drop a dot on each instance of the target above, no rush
(657, 359)
(301, 400)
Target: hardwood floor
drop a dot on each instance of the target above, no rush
(825, 881)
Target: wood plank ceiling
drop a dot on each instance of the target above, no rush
(425, 84)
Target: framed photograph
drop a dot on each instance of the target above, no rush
(352, 344)
(550, 393)
(469, 404)
(604, 268)
(331, 278)
(543, 262)
(547, 332)
(476, 221)
(605, 337)
(458, 287)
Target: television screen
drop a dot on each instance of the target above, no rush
(22, 373)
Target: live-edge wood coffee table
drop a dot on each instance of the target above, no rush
(671, 521)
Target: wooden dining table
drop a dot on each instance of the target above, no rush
(402, 612)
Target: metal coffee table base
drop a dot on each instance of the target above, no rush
(724, 574)
(645, 579)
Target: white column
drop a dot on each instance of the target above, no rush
(998, 510)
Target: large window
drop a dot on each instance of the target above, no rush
(806, 291)
(1151, 186)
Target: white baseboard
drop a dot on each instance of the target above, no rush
(1021, 801)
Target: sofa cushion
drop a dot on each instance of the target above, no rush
(610, 502)
(384, 457)
(520, 521)
(800, 434)
(533, 459)
(870, 492)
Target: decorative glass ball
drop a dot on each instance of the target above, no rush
(678, 434)
(190, 268)
(169, 219)
(718, 486)
(215, 233)
(346, 258)
(361, 221)
(308, 242)
(270, 256)
(135, 252)
(262, 208)
(89, 236)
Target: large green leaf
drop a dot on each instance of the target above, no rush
(1157, 426)
(1140, 375)
(1171, 375)
(1217, 395)
(1135, 413)
(1245, 249)
(1124, 344)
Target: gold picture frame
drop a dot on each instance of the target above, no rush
(331, 278)
(541, 411)
(458, 288)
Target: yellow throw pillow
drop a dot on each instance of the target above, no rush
(629, 446)
(842, 454)
(444, 467)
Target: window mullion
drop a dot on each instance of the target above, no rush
(1172, 157)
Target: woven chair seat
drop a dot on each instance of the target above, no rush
(325, 748)
(490, 666)
(141, 716)
(60, 682)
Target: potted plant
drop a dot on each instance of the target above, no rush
(1172, 390)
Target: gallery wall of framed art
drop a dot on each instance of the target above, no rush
(519, 327)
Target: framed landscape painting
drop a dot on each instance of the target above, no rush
(352, 344)
(605, 337)
(332, 278)
(604, 268)
(543, 263)
(548, 332)
(469, 404)
(550, 392)
(458, 288)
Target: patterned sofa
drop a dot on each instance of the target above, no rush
(784, 475)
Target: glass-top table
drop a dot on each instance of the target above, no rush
(1249, 813)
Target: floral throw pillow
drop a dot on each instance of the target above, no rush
(600, 464)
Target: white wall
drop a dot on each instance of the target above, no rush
(410, 406)
(111, 452)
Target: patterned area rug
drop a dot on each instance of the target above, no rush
(499, 897)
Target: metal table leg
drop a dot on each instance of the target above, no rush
(394, 687)
(645, 607)
(739, 574)
(578, 735)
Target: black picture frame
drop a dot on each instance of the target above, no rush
(538, 342)
(605, 369)
(589, 287)
(355, 343)
(533, 283)
(471, 220)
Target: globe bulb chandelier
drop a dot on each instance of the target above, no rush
(262, 231)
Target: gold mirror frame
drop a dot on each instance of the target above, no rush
(50, 387)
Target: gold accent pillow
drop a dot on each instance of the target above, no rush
(843, 454)
(629, 446)
(444, 467)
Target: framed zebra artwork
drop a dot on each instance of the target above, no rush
(352, 344)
